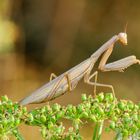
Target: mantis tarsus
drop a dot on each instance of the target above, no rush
(68, 80)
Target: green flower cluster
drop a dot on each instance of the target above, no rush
(126, 119)
(123, 117)
(10, 117)
(48, 118)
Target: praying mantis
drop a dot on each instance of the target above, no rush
(68, 81)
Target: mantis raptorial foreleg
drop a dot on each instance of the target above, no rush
(59, 83)
(118, 65)
(121, 64)
(105, 58)
(52, 76)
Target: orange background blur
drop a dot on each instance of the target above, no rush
(41, 37)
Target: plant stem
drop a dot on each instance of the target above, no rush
(18, 135)
(95, 131)
(98, 130)
(118, 136)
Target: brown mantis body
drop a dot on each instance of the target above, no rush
(68, 80)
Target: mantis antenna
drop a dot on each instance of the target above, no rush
(125, 27)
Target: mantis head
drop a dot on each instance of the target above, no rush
(123, 38)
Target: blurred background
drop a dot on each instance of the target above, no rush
(41, 37)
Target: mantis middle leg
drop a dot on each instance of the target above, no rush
(88, 78)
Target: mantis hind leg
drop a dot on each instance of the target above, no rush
(52, 76)
(57, 85)
(95, 84)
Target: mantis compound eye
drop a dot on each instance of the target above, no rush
(123, 38)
